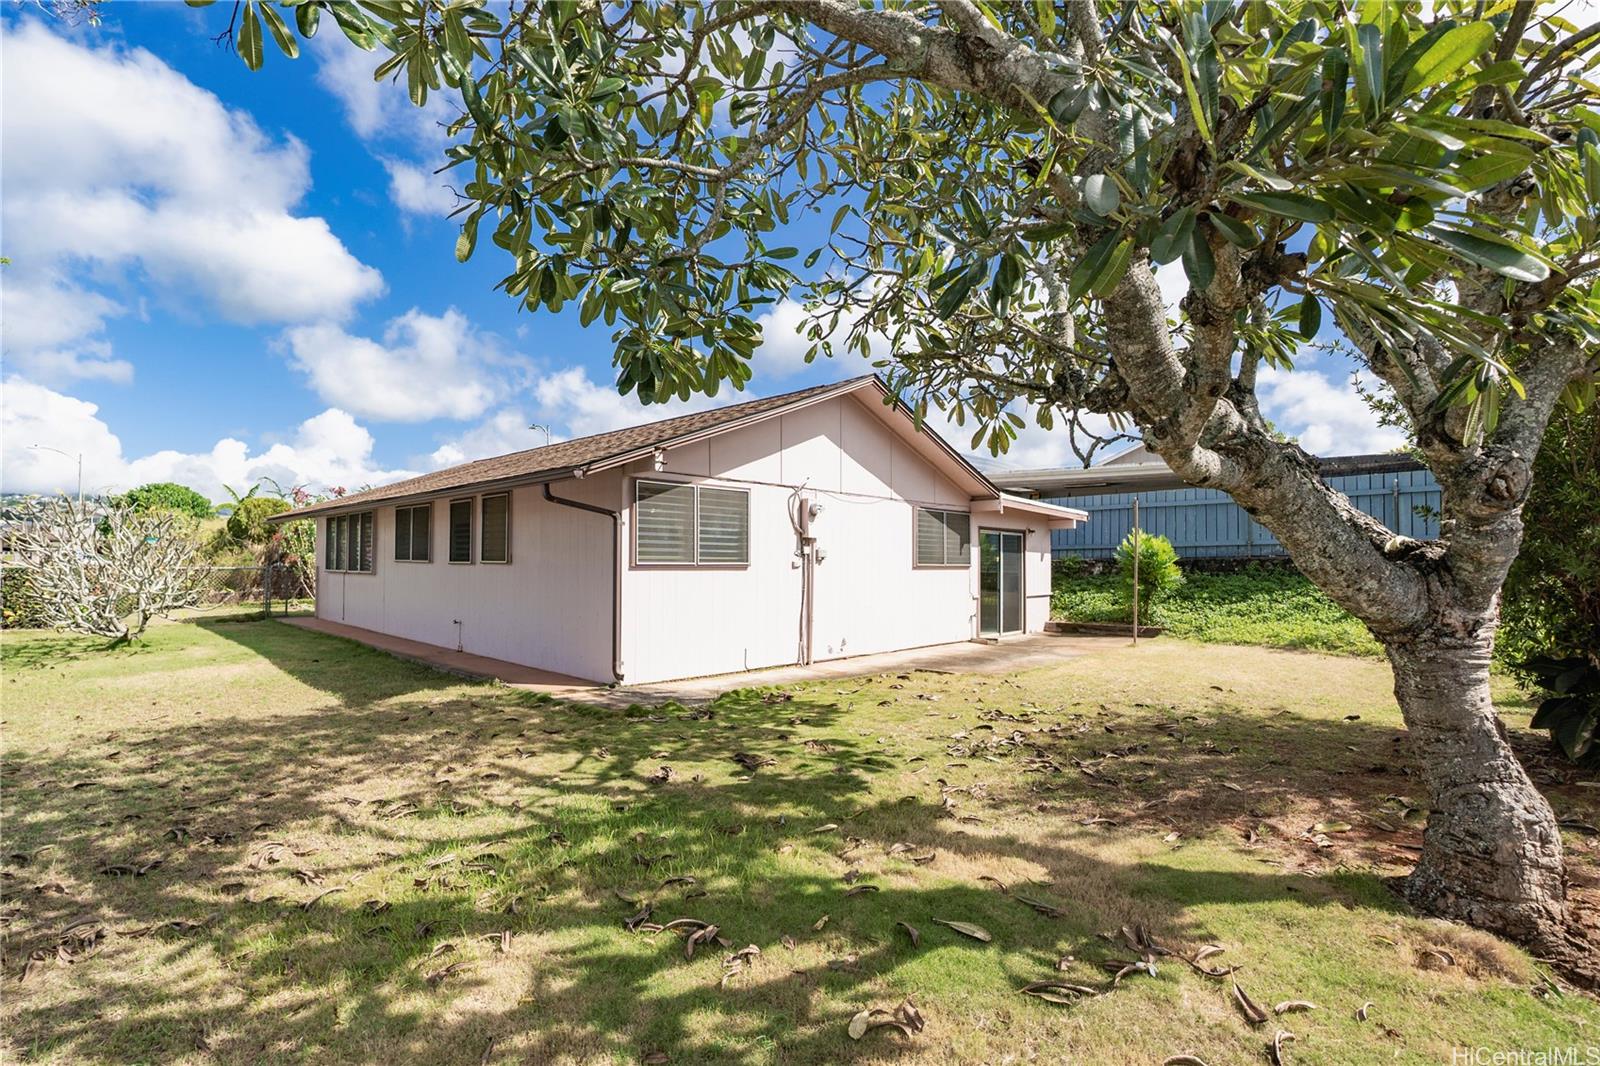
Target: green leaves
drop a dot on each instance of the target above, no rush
(1287, 205)
(1310, 315)
(1172, 239)
(1448, 54)
(468, 240)
(1335, 87)
(1101, 195)
(1492, 252)
(1101, 268)
(652, 171)
(249, 41)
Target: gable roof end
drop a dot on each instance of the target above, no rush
(603, 451)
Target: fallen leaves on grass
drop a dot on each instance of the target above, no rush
(1290, 1006)
(438, 976)
(1196, 961)
(1120, 968)
(911, 931)
(1248, 1007)
(81, 940)
(976, 932)
(1183, 1060)
(1063, 992)
(1278, 1041)
(906, 1018)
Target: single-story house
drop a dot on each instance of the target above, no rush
(814, 525)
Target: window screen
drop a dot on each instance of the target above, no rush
(461, 531)
(496, 529)
(349, 543)
(691, 525)
(330, 536)
(944, 538)
(402, 533)
(664, 523)
(724, 525)
(412, 533)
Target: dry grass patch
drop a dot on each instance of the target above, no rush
(286, 847)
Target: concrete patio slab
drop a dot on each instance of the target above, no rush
(966, 657)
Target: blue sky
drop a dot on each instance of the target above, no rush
(218, 276)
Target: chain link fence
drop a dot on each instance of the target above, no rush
(277, 587)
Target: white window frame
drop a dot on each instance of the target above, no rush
(695, 564)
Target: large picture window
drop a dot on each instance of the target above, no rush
(691, 525)
(461, 531)
(413, 533)
(944, 538)
(349, 547)
(496, 546)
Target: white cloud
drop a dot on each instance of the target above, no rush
(426, 366)
(580, 407)
(507, 430)
(377, 110)
(782, 352)
(327, 450)
(417, 189)
(89, 361)
(117, 166)
(1327, 418)
(409, 140)
(571, 405)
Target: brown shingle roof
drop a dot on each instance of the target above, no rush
(557, 460)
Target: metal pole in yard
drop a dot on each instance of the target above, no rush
(1136, 571)
(266, 591)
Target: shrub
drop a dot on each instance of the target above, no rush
(248, 523)
(20, 607)
(1550, 606)
(1066, 567)
(1159, 575)
(166, 496)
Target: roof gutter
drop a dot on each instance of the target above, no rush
(616, 571)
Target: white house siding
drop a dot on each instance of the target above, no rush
(550, 606)
(868, 597)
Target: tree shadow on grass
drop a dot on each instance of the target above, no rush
(455, 821)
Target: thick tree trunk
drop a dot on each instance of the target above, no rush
(1491, 853)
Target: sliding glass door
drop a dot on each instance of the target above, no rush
(1000, 595)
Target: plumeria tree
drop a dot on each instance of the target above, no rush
(989, 189)
(107, 570)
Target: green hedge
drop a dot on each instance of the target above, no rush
(1271, 607)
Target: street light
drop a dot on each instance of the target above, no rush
(542, 429)
(69, 455)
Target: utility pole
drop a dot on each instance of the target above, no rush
(1136, 571)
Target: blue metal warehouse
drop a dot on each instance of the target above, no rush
(1205, 523)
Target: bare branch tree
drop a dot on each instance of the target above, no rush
(108, 571)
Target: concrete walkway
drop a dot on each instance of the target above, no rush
(966, 657)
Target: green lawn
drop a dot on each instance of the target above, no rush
(1270, 607)
(293, 849)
